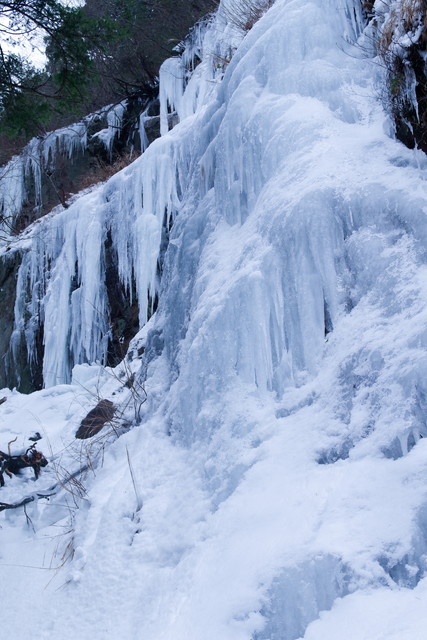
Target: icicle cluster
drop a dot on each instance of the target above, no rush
(114, 115)
(61, 285)
(21, 178)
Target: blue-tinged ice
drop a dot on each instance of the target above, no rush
(281, 455)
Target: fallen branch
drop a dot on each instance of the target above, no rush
(24, 501)
(51, 491)
(38, 495)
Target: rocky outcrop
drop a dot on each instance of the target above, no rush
(9, 264)
(124, 310)
(399, 34)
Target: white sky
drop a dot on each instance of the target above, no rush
(28, 45)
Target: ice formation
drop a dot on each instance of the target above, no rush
(23, 173)
(115, 115)
(281, 452)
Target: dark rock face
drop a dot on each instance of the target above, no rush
(16, 371)
(411, 122)
(9, 265)
(124, 312)
(404, 59)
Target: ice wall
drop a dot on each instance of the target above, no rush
(281, 455)
(280, 215)
(61, 286)
(61, 283)
(23, 173)
(294, 279)
(277, 171)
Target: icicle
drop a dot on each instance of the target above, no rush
(144, 142)
(114, 115)
(12, 193)
(171, 90)
(62, 278)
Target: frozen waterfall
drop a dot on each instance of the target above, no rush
(281, 455)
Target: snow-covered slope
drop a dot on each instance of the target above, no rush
(274, 484)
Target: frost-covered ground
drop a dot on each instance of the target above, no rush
(274, 484)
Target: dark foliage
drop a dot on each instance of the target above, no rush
(29, 96)
(96, 54)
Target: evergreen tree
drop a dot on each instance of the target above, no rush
(29, 96)
(96, 54)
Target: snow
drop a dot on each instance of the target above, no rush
(280, 450)
(373, 616)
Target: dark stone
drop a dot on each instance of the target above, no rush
(411, 123)
(96, 419)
